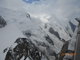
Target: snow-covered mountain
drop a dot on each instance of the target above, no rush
(48, 37)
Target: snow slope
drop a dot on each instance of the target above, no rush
(8, 35)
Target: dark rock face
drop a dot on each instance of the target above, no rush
(27, 33)
(78, 20)
(49, 39)
(28, 16)
(73, 27)
(24, 48)
(52, 31)
(2, 22)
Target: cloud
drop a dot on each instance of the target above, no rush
(69, 8)
(62, 9)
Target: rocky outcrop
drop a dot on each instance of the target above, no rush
(49, 39)
(52, 31)
(2, 22)
(24, 48)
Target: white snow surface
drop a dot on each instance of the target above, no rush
(8, 35)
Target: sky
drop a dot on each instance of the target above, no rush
(30, 1)
(61, 9)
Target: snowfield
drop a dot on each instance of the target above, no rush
(8, 35)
